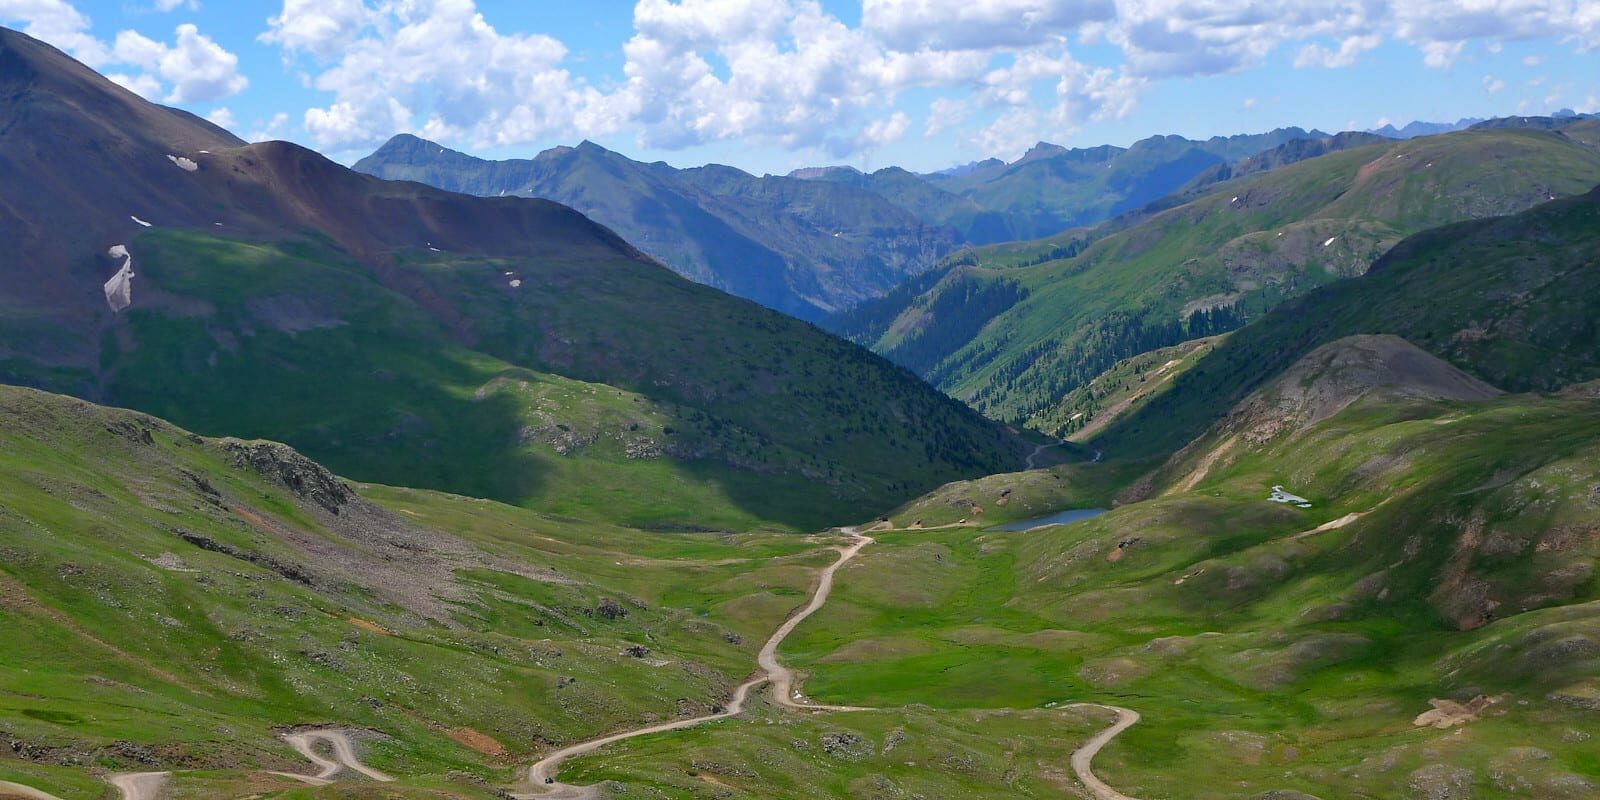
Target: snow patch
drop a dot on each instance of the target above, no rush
(516, 283)
(435, 249)
(140, 221)
(183, 163)
(1235, 199)
(119, 290)
(1280, 495)
(205, 152)
(1330, 241)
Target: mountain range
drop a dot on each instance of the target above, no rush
(822, 240)
(1013, 328)
(504, 347)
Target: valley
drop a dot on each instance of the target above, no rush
(1258, 466)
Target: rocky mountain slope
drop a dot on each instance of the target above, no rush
(1052, 315)
(502, 347)
(801, 247)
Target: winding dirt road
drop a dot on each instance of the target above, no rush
(783, 691)
(1081, 758)
(344, 756)
(782, 679)
(139, 785)
(147, 785)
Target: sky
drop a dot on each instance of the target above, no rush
(773, 85)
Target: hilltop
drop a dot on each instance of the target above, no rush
(501, 347)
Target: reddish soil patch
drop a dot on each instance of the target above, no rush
(369, 626)
(477, 740)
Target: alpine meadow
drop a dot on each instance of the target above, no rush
(799, 399)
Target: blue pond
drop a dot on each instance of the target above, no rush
(1058, 518)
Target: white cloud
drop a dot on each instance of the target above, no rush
(945, 113)
(199, 70)
(319, 27)
(60, 24)
(1249, 103)
(883, 132)
(1441, 55)
(143, 84)
(1493, 85)
(221, 117)
(1350, 49)
(272, 130)
(909, 25)
(1532, 61)
(433, 66)
(172, 5)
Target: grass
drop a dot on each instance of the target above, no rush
(571, 394)
(1284, 658)
(1290, 231)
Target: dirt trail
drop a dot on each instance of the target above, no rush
(8, 788)
(139, 785)
(782, 679)
(344, 755)
(1081, 758)
(1033, 457)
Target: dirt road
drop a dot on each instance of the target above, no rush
(344, 754)
(20, 790)
(783, 691)
(1081, 758)
(139, 785)
(1033, 457)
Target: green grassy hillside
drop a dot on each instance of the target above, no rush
(1510, 300)
(175, 602)
(1237, 252)
(603, 389)
(505, 347)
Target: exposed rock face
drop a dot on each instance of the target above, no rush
(1336, 375)
(281, 464)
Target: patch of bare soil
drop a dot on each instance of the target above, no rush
(477, 740)
(1449, 713)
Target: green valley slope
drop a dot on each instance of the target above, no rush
(1509, 299)
(503, 347)
(1044, 329)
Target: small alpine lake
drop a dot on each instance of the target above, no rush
(1059, 518)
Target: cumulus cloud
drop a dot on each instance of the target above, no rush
(1493, 85)
(221, 117)
(965, 25)
(194, 69)
(1350, 49)
(432, 66)
(945, 113)
(60, 24)
(198, 69)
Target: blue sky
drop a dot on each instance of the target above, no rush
(770, 85)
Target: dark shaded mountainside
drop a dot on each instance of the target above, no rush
(1509, 300)
(801, 247)
(1014, 328)
(500, 347)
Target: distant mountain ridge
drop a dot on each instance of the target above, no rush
(801, 247)
(503, 347)
(1053, 188)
